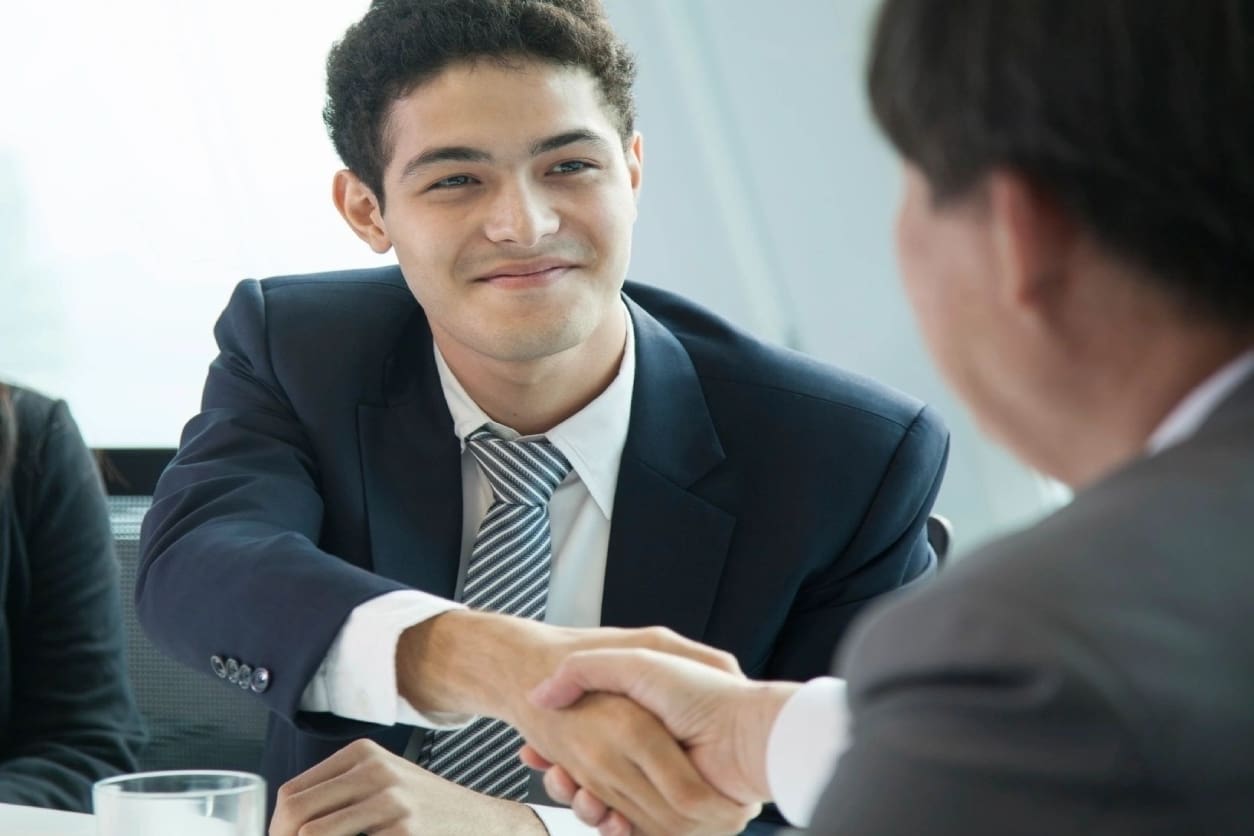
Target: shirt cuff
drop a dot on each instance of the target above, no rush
(807, 738)
(357, 677)
(560, 821)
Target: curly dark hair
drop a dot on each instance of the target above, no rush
(1137, 116)
(399, 44)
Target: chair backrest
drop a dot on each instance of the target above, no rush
(940, 536)
(193, 720)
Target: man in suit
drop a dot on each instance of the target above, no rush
(499, 421)
(1075, 240)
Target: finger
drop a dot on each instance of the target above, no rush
(615, 671)
(320, 789)
(560, 786)
(615, 825)
(665, 640)
(611, 775)
(588, 808)
(339, 763)
(682, 789)
(367, 816)
(532, 758)
(651, 783)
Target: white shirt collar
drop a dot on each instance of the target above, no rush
(592, 439)
(1185, 418)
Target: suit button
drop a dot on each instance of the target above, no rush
(245, 676)
(232, 671)
(260, 681)
(219, 667)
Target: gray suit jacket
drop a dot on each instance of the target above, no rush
(1092, 674)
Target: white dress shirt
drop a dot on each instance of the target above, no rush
(357, 678)
(812, 729)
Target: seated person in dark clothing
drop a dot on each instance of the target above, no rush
(67, 716)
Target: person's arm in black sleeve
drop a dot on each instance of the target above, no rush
(74, 719)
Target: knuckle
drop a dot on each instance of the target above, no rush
(691, 801)
(392, 801)
(662, 635)
(363, 746)
(375, 770)
(726, 661)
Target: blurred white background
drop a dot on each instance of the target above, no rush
(152, 154)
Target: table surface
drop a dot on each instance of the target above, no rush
(32, 821)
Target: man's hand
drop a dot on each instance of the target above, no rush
(363, 788)
(471, 662)
(723, 721)
(483, 663)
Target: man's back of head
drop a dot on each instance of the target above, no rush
(1137, 116)
(1075, 233)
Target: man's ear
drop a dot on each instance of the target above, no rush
(635, 163)
(358, 205)
(1034, 241)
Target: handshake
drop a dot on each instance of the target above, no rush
(696, 765)
(639, 731)
(705, 770)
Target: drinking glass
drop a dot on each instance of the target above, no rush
(181, 803)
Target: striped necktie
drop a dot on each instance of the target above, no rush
(508, 573)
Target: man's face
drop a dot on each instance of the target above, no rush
(948, 260)
(510, 204)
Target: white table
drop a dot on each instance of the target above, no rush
(32, 821)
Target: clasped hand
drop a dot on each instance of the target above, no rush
(606, 743)
(723, 722)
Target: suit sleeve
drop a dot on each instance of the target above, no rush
(974, 714)
(230, 564)
(888, 551)
(74, 717)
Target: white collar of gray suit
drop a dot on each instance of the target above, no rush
(1197, 406)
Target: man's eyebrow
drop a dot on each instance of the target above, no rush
(445, 154)
(568, 138)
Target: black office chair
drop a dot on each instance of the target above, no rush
(940, 536)
(194, 721)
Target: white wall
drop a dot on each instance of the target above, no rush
(152, 154)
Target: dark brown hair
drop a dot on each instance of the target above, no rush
(399, 44)
(1136, 115)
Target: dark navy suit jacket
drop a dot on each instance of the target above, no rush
(763, 498)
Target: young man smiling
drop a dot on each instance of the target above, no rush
(500, 421)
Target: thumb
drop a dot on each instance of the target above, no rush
(611, 671)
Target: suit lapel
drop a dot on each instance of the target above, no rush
(667, 545)
(411, 467)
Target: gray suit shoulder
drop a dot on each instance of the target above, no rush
(1130, 607)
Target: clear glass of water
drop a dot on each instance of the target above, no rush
(181, 803)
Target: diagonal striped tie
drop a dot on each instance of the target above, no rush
(508, 573)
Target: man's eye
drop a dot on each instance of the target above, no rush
(452, 182)
(570, 167)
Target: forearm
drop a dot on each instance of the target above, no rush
(60, 776)
(471, 662)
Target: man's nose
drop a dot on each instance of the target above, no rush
(520, 214)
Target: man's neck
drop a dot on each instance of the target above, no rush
(533, 396)
(1132, 393)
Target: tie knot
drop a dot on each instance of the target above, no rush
(520, 472)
